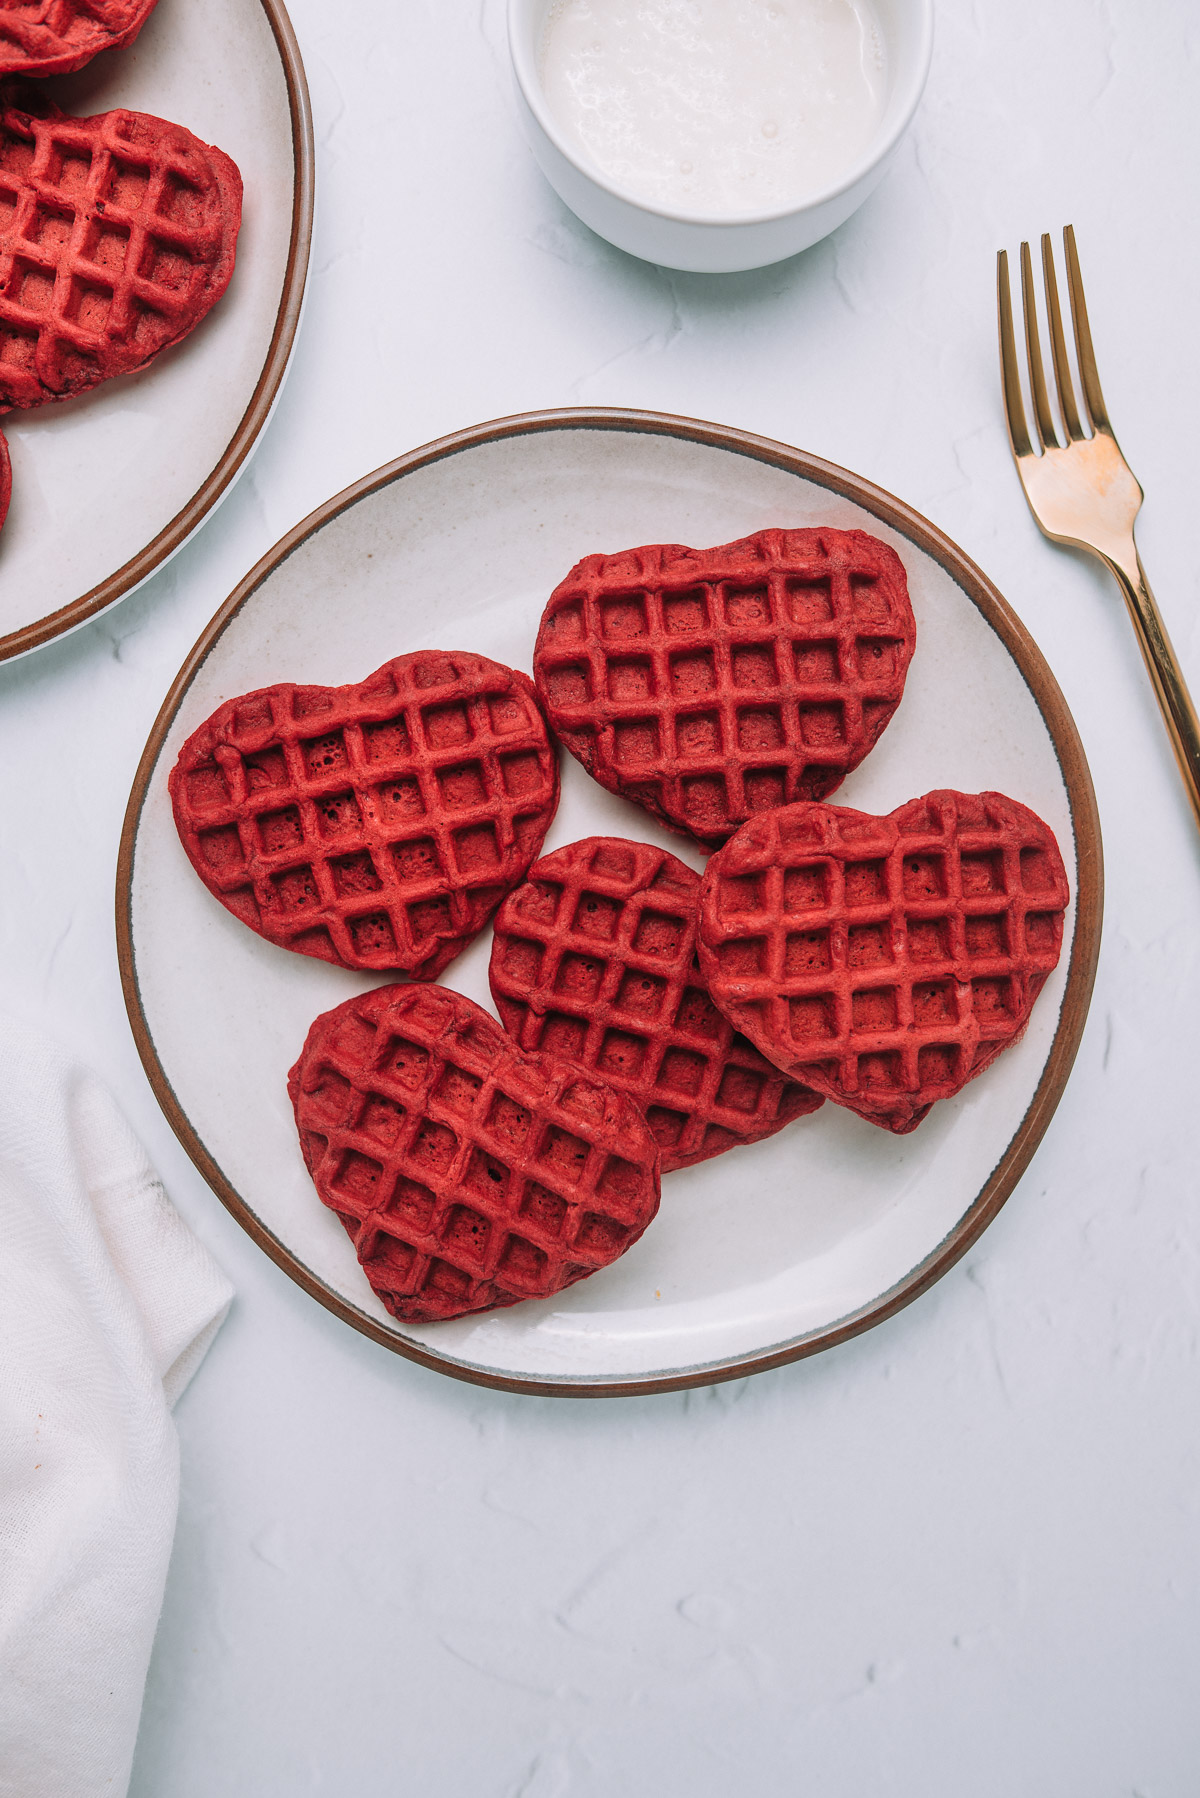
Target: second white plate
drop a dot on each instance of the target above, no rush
(108, 486)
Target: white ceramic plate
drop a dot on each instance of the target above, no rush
(106, 487)
(759, 1255)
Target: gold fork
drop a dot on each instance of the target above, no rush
(1083, 491)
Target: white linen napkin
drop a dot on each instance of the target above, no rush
(107, 1307)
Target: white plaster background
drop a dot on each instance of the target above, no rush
(958, 1555)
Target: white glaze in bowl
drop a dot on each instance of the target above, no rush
(718, 245)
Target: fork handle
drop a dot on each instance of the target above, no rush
(1170, 688)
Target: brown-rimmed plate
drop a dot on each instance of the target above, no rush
(761, 1255)
(107, 487)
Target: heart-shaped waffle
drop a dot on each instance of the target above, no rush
(117, 234)
(376, 825)
(710, 684)
(52, 37)
(594, 960)
(469, 1174)
(884, 961)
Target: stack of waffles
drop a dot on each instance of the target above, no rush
(117, 232)
(653, 1017)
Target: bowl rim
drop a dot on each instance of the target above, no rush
(529, 85)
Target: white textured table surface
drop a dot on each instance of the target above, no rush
(959, 1555)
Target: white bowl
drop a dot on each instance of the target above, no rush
(718, 245)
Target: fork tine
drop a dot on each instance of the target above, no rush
(1014, 405)
(1058, 344)
(1037, 379)
(1093, 398)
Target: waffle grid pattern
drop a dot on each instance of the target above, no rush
(594, 960)
(468, 1174)
(51, 37)
(709, 685)
(885, 960)
(117, 235)
(379, 825)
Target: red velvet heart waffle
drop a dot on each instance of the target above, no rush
(52, 37)
(117, 235)
(376, 825)
(594, 960)
(469, 1174)
(710, 684)
(884, 961)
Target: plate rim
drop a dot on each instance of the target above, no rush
(1085, 823)
(237, 451)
